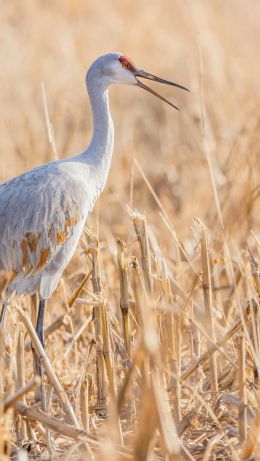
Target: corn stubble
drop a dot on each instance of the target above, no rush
(151, 381)
(153, 336)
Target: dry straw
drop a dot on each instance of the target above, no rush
(152, 338)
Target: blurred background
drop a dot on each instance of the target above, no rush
(211, 47)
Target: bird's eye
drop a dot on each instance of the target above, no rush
(125, 64)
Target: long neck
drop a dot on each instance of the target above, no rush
(99, 152)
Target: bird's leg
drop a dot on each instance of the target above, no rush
(3, 313)
(3, 335)
(40, 334)
(40, 321)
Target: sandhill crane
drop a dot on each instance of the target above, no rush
(43, 211)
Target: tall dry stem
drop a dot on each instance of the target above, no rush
(97, 314)
(20, 380)
(207, 294)
(140, 227)
(177, 369)
(124, 292)
(48, 368)
(241, 360)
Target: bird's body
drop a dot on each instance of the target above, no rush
(43, 211)
(47, 208)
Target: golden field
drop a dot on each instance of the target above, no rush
(173, 373)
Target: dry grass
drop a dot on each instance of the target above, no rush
(156, 355)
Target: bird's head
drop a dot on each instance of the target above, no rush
(115, 68)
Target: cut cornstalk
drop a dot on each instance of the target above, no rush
(84, 399)
(139, 222)
(177, 368)
(20, 364)
(207, 294)
(124, 289)
(97, 314)
(48, 368)
(20, 393)
(241, 359)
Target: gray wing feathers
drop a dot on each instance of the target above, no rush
(39, 211)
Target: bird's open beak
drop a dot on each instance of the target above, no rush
(143, 74)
